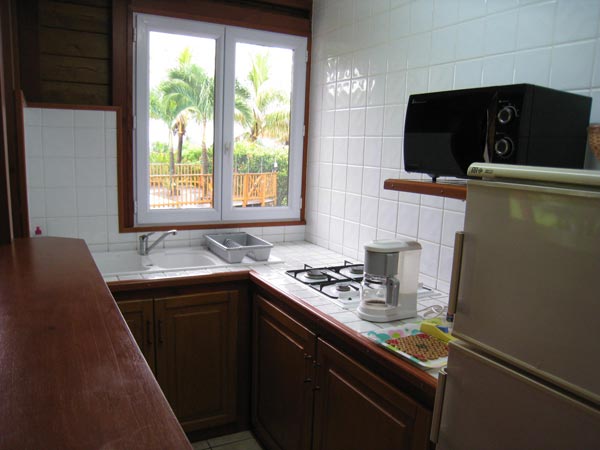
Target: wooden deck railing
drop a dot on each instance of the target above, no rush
(188, 187)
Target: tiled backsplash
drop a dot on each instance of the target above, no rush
(369, 56)
(71, 158)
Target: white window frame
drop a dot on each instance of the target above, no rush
(226, 38)
(297, 44)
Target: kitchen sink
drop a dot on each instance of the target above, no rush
(121, 262)
(184, 258)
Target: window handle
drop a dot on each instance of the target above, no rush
(227, 147)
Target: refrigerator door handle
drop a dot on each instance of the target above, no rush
(436, 420)
(455, 279)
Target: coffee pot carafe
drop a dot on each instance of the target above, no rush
(390, 282)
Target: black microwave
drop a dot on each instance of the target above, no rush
(520, 124)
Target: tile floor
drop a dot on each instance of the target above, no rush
(238, 441)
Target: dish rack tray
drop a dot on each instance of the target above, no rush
(233, 247)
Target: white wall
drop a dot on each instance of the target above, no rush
(71, 159)
(369, 56)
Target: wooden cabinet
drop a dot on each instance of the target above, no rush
(196, 338)
(139, 316)
(307, 394)
(282, 376)
(355, 409)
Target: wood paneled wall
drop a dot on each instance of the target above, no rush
(73, 51)
(66, 46)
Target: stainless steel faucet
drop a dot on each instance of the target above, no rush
(144, 249)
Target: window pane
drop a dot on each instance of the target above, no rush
(263, 84)
(181, 132)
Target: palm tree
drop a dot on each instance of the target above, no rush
(270, 109)
(189, 86)
(180, 129)
(173, 114)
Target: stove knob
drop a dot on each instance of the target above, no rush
(504, 147)
(506, 114)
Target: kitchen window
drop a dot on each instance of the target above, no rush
(219, 122)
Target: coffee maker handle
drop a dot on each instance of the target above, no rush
(393, 288)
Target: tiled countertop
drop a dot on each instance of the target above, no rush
(293, 255)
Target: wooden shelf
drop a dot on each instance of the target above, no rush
(457, 190)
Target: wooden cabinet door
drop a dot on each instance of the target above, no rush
(357, 410)
(282, 379)
(196, 338)
(139, 316)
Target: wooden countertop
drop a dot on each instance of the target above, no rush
(71, 375)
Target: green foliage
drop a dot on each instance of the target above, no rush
(159, 153)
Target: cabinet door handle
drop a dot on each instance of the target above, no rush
(160, 336)
(307, 359)
(148, 340)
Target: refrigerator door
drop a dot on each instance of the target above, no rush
(529, 282)
(490, 407)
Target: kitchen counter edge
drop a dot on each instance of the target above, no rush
(73, 375)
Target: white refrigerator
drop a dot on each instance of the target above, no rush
(525, 370)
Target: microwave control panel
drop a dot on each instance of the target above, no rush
(506, 113)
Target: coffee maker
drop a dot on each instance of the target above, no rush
(391, 279)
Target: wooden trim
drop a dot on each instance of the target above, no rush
(6, 230)
(22, 208)
(306, 131)
(68, 106)
(248, 14)
(440, 188)
(121, 288)
(211, 226)
(29, 48)
(122, 96)
(13, 117)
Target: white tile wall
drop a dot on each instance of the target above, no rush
(71, 159)
(369, 56)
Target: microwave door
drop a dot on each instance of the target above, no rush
(487, 405)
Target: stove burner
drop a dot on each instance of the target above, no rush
(357, 270)
(314, 274)
(338, 282)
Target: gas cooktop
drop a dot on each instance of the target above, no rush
(340, 283)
